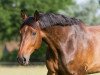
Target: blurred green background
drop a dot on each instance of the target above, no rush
(10, 21)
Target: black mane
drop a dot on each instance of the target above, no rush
(51, 19)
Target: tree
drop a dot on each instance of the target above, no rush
(10, 13)
(10, 20)
(86, 11)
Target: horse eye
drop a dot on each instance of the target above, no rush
(34, 33)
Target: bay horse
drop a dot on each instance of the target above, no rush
(73, 47)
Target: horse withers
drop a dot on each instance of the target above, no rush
(73, 47)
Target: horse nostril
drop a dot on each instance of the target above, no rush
(21, 60)
(24, 59)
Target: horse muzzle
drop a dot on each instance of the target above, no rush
(23, 60)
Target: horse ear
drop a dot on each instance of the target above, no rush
(36, 15)
(23, 14)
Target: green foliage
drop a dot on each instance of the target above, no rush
(38, 55)
(9, 56)
(10, 20)
(85, 11)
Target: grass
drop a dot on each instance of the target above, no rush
(20, 70)
(25, 70)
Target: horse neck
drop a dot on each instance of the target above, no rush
(57, 36)
(54, 36)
